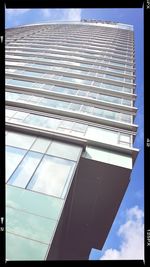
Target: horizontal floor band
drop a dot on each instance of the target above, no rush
(70, 139)
(72, 114)
(73, 98)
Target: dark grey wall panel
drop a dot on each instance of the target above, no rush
(90, 209)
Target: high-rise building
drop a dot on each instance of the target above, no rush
(70, 92)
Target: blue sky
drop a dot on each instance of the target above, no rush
(129, 220)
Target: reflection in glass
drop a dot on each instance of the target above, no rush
(25, 170)
(13, 158)
(41, 145)
(51, 176)
(42, 121)
(19, 140)
(64, 150)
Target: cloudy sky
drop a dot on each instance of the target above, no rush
(125, 240)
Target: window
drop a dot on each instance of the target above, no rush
(41, 121)
(51, 123)
(82, 93)
(114, 77)
(126, 102)
(48, 87)
(66, 124)
(32, 74)
(126, 118)
(92, 95)
(40, 145)
(10, 113)
(35, 99)
(109, 99)
(26, 169)
(12, 96)
(128, 90)
(125, 139)
(58, 89)
(52, 103)
(13, 158)
(24, 97)
(20, 115)
(63, 150)
(79, 127)
(86, 109)
(75, 107)
(51, 176)
(112, 87)
(19, 140)
(70, 91)
(98, 112)
(21, 83)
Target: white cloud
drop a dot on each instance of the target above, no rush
(18, 16)
(72, 14)
(16, 11)
(132, 238)
(68, 14)
(46, 13)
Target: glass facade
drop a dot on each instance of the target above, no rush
(39, 173)
(68, 106)
(67, 90)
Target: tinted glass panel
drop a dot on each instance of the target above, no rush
(13, 158)
(26, 169)
(51, 176)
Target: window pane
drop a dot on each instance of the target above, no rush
(40, 145)
(13, 158)
(20, 115)
(42, 121)
(51, 176)
(128, 90)
(54, 103)
(124, 138)
(66, 124)
(48, 86)
(58, 89)
(92, 95)
(12, 96)
(70, 91)
(24, 249)
(18, 198)
(75, 107)
(127, 102)
(35, 99)
(10, 113)
(32, 74)
(30, 225)
(63, 150)
(79, 127)
(98, 112)
(22, 83)
(25, 170)
(19, 140)
(126, 118)
(82, 93)
(24, 97)
(87, 109)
